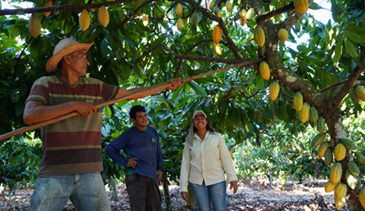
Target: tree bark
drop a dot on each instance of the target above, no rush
(167, 195)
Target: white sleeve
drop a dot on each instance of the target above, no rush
(226, 160)
(185, 168)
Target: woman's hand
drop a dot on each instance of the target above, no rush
(234, 186)
(185, 195)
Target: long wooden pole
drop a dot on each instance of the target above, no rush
(110, 102)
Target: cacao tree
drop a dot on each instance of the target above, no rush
(146, 42)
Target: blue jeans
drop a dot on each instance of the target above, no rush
(205, 195)
(86, 191)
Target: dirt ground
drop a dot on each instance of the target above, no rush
(250, 196)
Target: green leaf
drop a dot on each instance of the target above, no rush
(351, 49)
(355, 33)
(338, 50)
(198, 89)
(107, 111)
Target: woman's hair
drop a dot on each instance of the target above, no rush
(208, 126)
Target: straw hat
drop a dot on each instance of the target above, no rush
(64, 47)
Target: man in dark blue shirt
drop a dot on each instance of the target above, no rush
(144, 161)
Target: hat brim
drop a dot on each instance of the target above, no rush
(55, 59)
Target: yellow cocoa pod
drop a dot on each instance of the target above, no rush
(217, 34)
(340, 152)
(34, 25)
(360, 92)
(92, 9)
(362, 197)
(211, 5)
(243, 13)
(103, 16)
(313, 115)
(179, 23)
(322, 149)
(242, 21)
(145, 20)
(301, 6)
(264, 70)
(179, 9)
(48, 4)
(329, 187)
(84, 20)
(283, 35)
(340, 202)
(219, 14)
(194, 19)
(304, 113)
(229, 6)
(355, 99)
(298, 101)
(250, 13)
(217, 48)
(259, 36)
(274, 90)
(340, 190)
(336, 173)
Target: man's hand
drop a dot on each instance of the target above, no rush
(174, 83)
(132, 162)
(234, 186)
(185, 195)
(159, 174)
(84, 108)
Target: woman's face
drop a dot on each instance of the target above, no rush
(200, 122)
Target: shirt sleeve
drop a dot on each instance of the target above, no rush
(113, 150)
(185, 168)
(226, 160)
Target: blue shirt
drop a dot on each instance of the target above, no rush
(143, 145)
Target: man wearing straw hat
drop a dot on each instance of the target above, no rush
(72, 160)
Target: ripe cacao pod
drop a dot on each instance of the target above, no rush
(329, 187)
(264, 70)
(92, 9)
(304, 113)
(84, 20)
(298, 101)
(322, 149)
(318, 139)
(360, 158)
(179, 9)
(103, 16)
(250, 13)
(229, 6)
(194, 20)
(34, 26)
(350, 145)
(355, 99)
(274, 90)
(301, 6)
(219, 14)
(360, 92)
(211, 5)
(351, 180)
(217, 34)
(313, 115)
(328, 157)
(48, 4)
(217, 48)
(179, 23)
(353, 168)
(242, 21)
(340, 202)
(340, 190)
(336, 173)
(321, 126)
(283, 35)
(259, 36)
(362, 197)
(340, 152)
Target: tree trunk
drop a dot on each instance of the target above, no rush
(167, 195)
(353, 202)
(114, 195)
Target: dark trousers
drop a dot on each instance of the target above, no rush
(143, 192)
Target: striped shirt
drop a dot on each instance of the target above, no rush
(71, 146)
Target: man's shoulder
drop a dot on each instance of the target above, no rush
(88, 80)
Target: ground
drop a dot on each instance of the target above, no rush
(253, 195)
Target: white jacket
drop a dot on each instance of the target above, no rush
(206, 160)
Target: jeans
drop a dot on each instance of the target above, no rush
(86, 191)
(212, 194)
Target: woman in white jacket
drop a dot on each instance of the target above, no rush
(204, 162)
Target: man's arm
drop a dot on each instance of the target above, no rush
(36, 112)
(147, 91)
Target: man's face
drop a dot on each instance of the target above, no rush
(78, 62)
(141, 119)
